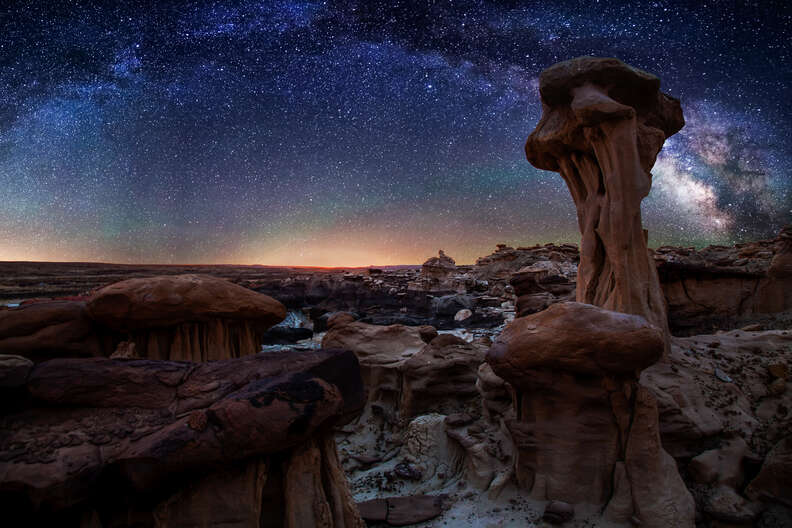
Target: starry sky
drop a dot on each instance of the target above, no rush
(363, 132)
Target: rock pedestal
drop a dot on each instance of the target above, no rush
(603, 124)
(174, 317)
(585, 431)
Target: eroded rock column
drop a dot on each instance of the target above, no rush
(584, 430)
(602, 126)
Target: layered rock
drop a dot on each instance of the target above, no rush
(585, 431)
(727, 286)
(506, 260)
(603, 124)
(405, 375)
(178, 317)
(168, 443)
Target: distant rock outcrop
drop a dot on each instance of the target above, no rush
(721, 287)
(439, 267)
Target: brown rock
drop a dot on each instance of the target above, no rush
(402, 511)
(576, 338)
(229, 497)
(725, 287)
(441, 377)
(159, 423)
(380, 350)
(14, 370)
(558, 512)
(46, 330)
(438, 267)
(340, 319)
(774, 481)
(186, 317)
(660, 497)
(720, 466)
(602, 125)
(168, 300)
(427, 333)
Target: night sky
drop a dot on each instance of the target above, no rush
(356, 133)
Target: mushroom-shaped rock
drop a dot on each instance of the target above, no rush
(584, 430)
(578, 338)
(602, 126)
(186, 317)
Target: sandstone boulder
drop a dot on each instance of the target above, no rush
(168, 300)
(577, 338)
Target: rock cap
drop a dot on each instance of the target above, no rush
(161, 301)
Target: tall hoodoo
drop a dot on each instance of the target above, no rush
(585, 430)
(603, 124)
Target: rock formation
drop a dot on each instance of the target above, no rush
(406, 376)
(46, 330)
(721, 287)
(584, 430)
(543, 283)
(438, 267)
(187, 317)
(177, 317)
(166, 443)
(603, 124)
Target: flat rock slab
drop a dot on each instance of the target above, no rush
(402, 511)
(138, 424)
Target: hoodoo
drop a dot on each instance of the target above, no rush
(585, 430)
(602, 126)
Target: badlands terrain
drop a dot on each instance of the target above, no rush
(434, 428)
(606, 385)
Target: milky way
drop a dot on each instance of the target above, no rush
(354, 133)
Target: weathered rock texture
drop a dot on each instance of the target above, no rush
(46, 330)
(177, 317)
(243, 442)
(585, 431)
(186, 317)
(602, 126)
(404, 375)
(438, 267)
(721, 287)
